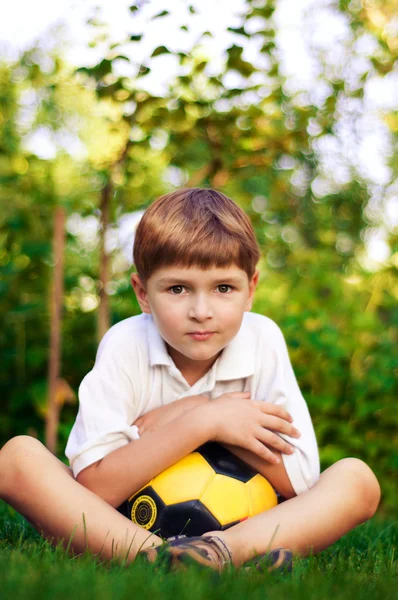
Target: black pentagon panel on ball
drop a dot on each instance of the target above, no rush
(144, 509)
(188, 518)
(225, 463)
(124, 509)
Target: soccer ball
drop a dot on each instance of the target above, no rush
(210, 489)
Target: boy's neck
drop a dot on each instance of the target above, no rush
(192, 371)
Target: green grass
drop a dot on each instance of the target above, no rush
(362, 565)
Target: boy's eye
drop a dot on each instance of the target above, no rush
(176, 287)
(181, 287)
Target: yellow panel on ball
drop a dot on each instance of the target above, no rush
(261, 495)
(227, 499)
(185, 480)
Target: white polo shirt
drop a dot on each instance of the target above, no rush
(133, 374)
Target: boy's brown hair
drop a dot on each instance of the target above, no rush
(194, 227)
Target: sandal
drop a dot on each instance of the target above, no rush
(180, 551)
(210, 551)
(279, 559)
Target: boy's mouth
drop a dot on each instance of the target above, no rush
(200, 332)
(199, 335)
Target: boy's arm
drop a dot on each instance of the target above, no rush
(302, 466)
(275, 474)
(164, 414)
(125, 470)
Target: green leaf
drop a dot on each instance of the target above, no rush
(200, 66)
(84, 70)
(265, 12)
(185, 79)
(234, 51)
(239, 31)
(121, 57)
(161, 14)
(267, 47)
(192, 10)
(136, 37)
(99, 71)
(109, 90)
(160, 50)
(143, 70)
(236, 62)
(133, 8)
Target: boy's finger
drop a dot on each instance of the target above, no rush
(275, 441)
(279, 425)
(264, 452)
(274, 409)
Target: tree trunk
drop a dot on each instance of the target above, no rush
(56, 303)
(103, 309)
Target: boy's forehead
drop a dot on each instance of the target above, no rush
(198, 274)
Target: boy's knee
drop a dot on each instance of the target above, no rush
(16, 457)
(19, 446)
(364, 483)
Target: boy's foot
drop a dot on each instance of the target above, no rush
(211, 551)
(280, 559)
(180, 551)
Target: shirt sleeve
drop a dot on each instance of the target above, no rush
(107, 408)
(302, 466)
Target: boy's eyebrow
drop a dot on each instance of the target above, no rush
(217, 281)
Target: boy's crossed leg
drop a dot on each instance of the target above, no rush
(44, 491)
(42, 488)
(346, 494)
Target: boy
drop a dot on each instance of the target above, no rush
(194, 366)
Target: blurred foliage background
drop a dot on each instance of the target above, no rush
(289, 157)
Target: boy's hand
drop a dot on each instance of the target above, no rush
(164, 414)
(240, 421)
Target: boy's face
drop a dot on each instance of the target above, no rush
(183, 301)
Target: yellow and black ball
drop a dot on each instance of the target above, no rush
(210, 489)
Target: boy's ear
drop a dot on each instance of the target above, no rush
(252, 286)
(140, 293)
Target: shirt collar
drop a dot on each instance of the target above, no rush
(158, 354)
(236, 361)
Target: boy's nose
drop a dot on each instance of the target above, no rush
(200, 308)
